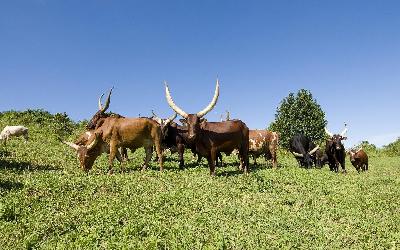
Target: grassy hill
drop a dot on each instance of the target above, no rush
(47, 202)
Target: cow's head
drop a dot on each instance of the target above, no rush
(353, 154)
(101, 112)
(164, 123)
(336, 139)
(307, 158)
(193, 121)
(87, 154)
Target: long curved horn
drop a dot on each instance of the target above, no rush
(344, 130)
(297, 154)
(100, 107)
(72, 145)
(93, 143)
(107, 104)
(212, 103)
(170, 119)
(328, 132)
(172, 104)
(314, 150)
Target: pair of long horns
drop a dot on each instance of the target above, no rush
(162, 121)
(76, 147)
(200, 114)
(310, 153)
(341, 134)
(107, 104)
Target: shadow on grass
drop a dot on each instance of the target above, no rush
(6, 185)
(24, 166)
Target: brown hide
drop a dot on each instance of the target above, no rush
(359, 159)
(114, 133)
(215, 137)
(263, 142)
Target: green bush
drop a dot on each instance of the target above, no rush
(299, 114)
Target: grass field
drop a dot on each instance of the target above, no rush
(47, 202)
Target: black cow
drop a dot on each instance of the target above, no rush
(303, 149)
(335, 150)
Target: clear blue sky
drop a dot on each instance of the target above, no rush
(61, 55)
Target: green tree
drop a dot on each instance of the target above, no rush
(299, 114)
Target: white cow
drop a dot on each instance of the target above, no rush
(10, 131)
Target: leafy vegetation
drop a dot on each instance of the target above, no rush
(47, 202)
(299, 114)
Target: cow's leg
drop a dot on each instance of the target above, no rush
(121, 160)
(243, 163)
(211, 161)
(113, 153)
(26, 137)
(342, 164)
(181, 150)
(160, 155)
(149, 153)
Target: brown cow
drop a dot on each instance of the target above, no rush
(263, 142)
(114, 133)
(209, 138)
(359, 159)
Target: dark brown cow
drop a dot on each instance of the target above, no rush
(114, 133)
(359, 159)
(263, 142)
(209, 138)
(334, 149)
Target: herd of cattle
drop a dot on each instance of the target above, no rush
(114, 134)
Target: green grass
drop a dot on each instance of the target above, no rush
(47, 202)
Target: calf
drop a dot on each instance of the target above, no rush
(13, 131)
(359, 159)
(263, 142)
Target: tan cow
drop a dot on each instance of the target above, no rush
(114, 133)
(263, 142)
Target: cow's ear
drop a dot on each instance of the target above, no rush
(203, 120)
(344, 138)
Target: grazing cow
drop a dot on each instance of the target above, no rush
(321, 158)
(13, 131)
(263, 142)
(335, 150)
(303, 149)
(209, 138)
(96, 121)
(114, 133)
(359, 159)
(85, 137)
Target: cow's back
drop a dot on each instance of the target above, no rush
(131, 132)
(225, 136)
